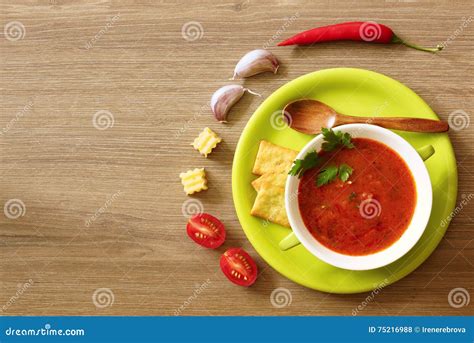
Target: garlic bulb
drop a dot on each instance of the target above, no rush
(256, 62)
(226, 97)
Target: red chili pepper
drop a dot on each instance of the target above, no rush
(367, 31)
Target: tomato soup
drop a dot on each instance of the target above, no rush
(368, 212)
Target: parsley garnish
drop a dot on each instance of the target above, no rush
(332, 141)
(326, 175)
(335, 140)
(311, 160)
(344, 172)
(329, 174)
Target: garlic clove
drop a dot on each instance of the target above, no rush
(224, 98)
(256, 62)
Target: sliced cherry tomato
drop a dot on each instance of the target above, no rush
(239, 267)
(206, 230)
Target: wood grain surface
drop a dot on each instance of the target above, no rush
(103, 207)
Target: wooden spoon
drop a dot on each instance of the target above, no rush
(309, 116)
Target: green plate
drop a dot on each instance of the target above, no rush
(353, 92)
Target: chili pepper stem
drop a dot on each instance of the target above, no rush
(397, 39)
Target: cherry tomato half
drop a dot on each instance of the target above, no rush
(239, 267)
(206, 230)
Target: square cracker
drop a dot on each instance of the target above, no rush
(272, 158)
(277, 179)
(270, 204)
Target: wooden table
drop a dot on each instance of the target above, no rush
(102, 207)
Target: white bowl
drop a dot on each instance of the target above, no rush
(412, 234)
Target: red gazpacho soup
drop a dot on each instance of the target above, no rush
(367, 213)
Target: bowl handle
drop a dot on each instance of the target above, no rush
(425, 152)
(291, 241)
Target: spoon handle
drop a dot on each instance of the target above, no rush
(397, 123)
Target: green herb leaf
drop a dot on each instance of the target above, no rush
(344, 172)
(333, 140)
(326, 175)
(299, 167)
(330, 173)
